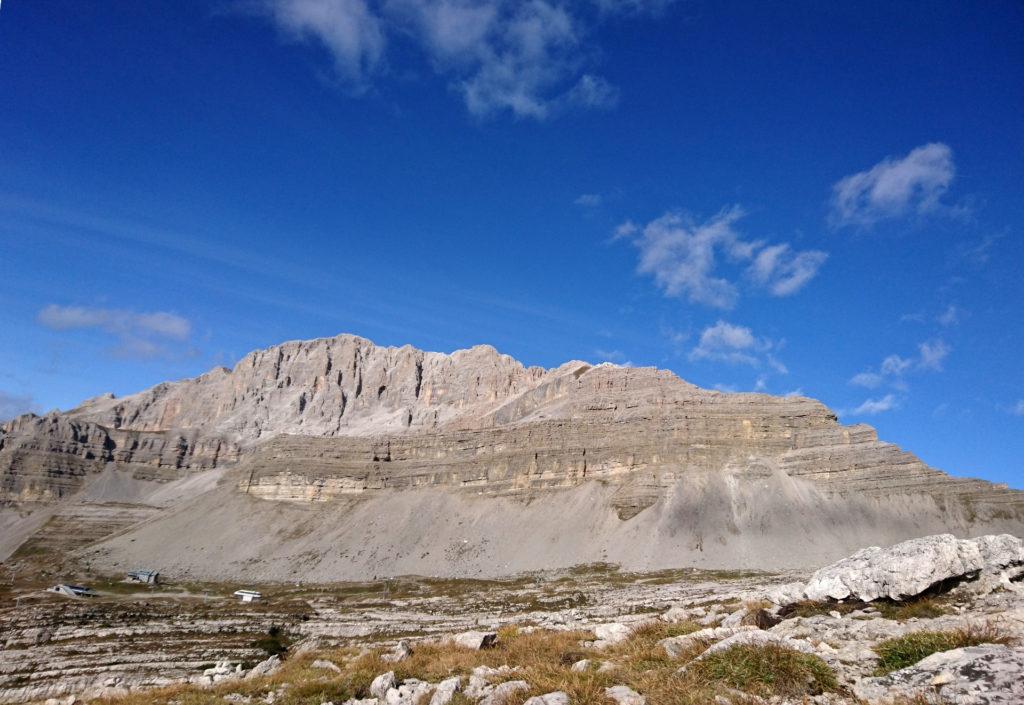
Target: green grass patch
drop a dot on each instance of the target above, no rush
(766, 671)
(904, 651)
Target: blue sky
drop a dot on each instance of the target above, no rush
(788, 197)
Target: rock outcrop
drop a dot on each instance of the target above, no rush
(989, 674)
(912, 567)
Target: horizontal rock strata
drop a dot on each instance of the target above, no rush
(342, 420)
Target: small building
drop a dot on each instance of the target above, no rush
(149, 577)
(248, 595)
(72, 590)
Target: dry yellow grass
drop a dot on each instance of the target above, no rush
(543, 658)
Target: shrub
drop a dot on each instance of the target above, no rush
(274, 643)
(904, 651)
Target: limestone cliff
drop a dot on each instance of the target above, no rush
(339, 420)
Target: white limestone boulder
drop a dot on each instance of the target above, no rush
(911, 567)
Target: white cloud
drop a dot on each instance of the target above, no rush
(735, 345)
(523, 57)
(784, 272)
(1018, 410)
(894, 365)
(932, 355)
(12, 405)
(591, 92)
(683, 256)
(616, 357)
(894, 368)
(677, 338)
(894, 187)
(870, 380)
(139, 335)
(348, 29)
(626, 229)
(951, 316)
(588, 200)
(680, 254)
(876, 406)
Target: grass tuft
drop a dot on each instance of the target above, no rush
(904, 651)
(766, 671)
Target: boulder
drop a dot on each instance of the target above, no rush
(611, 633)
(786, 594)
(624, 695)
(503, 691)
(267, 667)
(446, 690)
(382, 684)
(736, 618)
(675, 645)
(476, 640)
(976, 675)
(325, 665)
(408, 693)
(556, 698)
(911, 567)
(400, 652)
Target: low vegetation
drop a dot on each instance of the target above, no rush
(904, 651)
(274, 643)
(921, 608)
(543, 658)
(766, 671)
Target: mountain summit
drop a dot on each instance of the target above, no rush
(340, 459)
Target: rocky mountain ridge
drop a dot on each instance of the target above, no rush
(340, 420)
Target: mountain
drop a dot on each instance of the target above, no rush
(337, 459)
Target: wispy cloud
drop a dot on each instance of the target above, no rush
(348, 29)
(139, 335)
(870, 380)
(932, 355)
(625, 229)
(951, 316)
(894, 187)
(976, 253)
(527, 58)
(683, 254)
(736, 345)
(1018, 409)
(588, 200)
(894, 365)
(893, 369)
(784, 272)
(12, 405)
(616, 357)
(870, 407)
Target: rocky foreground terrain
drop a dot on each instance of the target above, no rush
(336, 459)
(931, 620)
(586, 534)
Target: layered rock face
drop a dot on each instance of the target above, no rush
(46, 459)
(342, 420)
